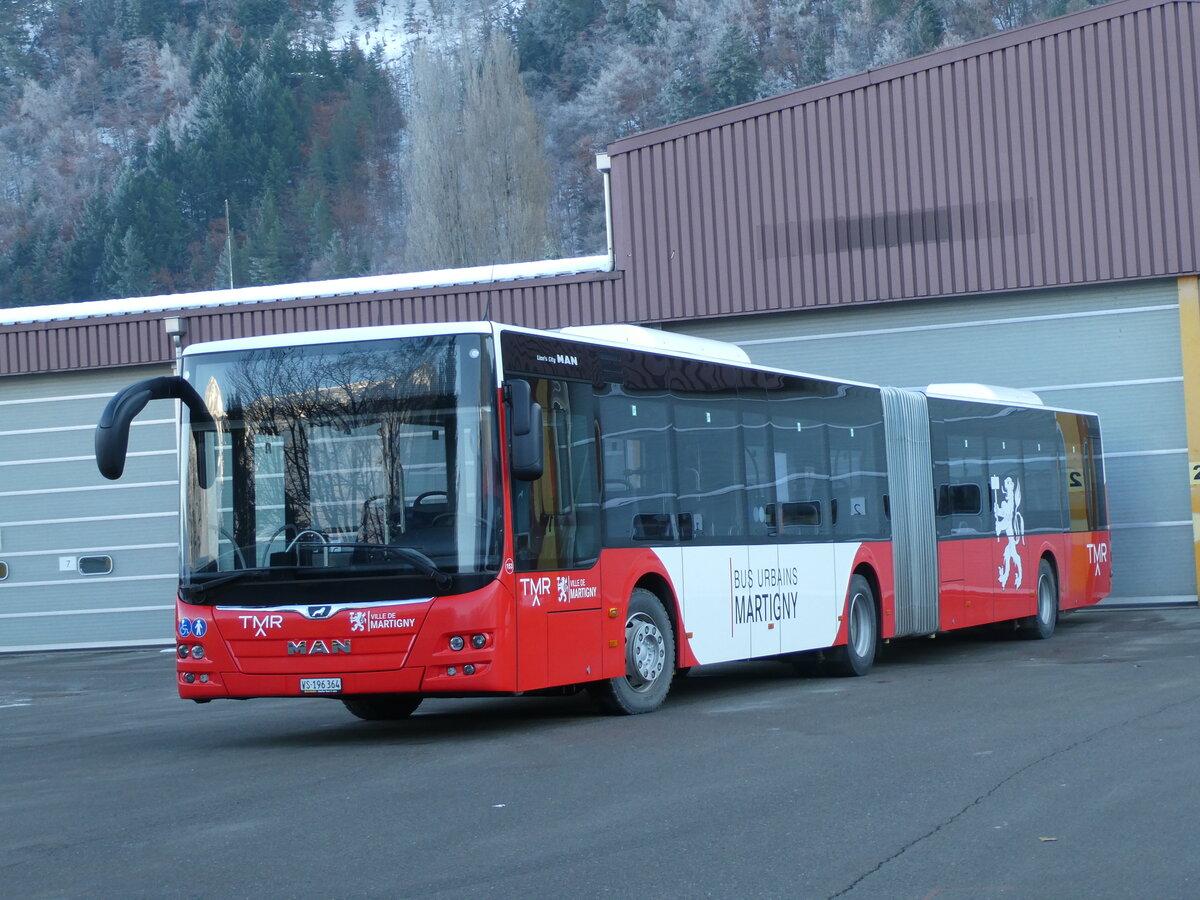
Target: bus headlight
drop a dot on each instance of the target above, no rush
(457, 643)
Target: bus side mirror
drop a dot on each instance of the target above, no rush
(525, 432)
(112, 432)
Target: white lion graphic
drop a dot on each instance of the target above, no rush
(1010, 523)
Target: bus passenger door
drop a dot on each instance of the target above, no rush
(965, 554)
(556, 543)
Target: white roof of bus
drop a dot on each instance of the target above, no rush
(626, 336)
(337, 336)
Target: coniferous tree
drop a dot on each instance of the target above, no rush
(924, 27)
(734, 74)
(85, 252)
(125, 271)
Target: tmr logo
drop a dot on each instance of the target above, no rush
(1097, 554)
(316, 648)
(534, 589)
(260, 624)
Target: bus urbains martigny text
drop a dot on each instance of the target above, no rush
(381, 515)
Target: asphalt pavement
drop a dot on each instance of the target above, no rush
(970, 766)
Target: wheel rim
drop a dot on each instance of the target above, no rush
(645, 651)
(860, 625)
(1045, 600)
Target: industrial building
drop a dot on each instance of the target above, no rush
(1019, 210)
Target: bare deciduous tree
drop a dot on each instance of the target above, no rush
(477, 178)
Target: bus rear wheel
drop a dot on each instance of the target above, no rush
(649, 660)
(857, 655)
(1040, 626)
(382, 707)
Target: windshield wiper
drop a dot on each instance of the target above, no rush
(419, 560)
(199, 587)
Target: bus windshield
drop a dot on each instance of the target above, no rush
(374, 460)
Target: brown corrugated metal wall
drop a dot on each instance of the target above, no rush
(93, 343)
(1063, 153)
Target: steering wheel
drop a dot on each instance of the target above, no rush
(302, 533)
(282, 529)
(421, 498)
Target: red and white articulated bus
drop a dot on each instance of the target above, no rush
(381, 515)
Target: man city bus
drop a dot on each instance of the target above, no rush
(380, 515)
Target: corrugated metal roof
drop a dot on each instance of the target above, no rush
(1061, 153)
(309, 290)
(58, 343)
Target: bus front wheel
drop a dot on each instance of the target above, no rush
(649, 660)
(382, 707)
(857, 655)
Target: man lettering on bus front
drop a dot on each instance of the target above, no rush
(1010, 523)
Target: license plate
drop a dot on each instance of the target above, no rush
(320, 685)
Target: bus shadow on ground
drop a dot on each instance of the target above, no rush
(1078, 640)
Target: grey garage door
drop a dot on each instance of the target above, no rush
(90, 563)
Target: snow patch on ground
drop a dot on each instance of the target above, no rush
(388, 29)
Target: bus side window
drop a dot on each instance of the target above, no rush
(801, 508)
(959, 500)
(1084, 471)
(708, 468)
(858, 464)
(960, 476)
(640, 503)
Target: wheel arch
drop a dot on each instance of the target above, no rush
(1049, 556)
(871, 574)
(867, 571)
(658, 585)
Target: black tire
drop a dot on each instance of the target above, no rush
(857, 655)
(649, 660)
(1040, 626)
(382, 707)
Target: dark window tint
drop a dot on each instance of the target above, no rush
(1011, 458)
(1042, 464)
(758, 465)
(857, 464)
(802, 505)
(708, 468)
(556, 518)
(639, 475)
(958, 442)
(959, 500)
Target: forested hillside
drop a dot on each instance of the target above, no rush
(154, 146)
